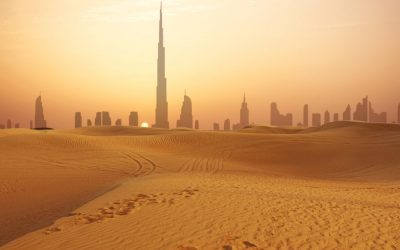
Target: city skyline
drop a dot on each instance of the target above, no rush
(125, 84)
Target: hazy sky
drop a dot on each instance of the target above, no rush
(94, 55)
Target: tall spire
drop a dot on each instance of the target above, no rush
(162, 103)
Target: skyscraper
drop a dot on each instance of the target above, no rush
(277, 119)
(398, 114)
(335, 117)
(97, 120)
(361, 113)
(316, 120)
(305, 116)
(88, 123)
(327, 117)
(105, 118)
(244, 114)
(347, 113)
(9, 124)
(186, 118)
(134, 119)
(227, 125)
(162, 104)
(216, 126)
(40, 122)
(197, 125)
(376, 117)
(78, 120)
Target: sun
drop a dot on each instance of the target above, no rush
(144, 125)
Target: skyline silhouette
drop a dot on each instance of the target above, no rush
(364, 110)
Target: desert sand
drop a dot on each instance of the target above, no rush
(333, 187)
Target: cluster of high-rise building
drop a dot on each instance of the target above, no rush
(104, 119)
(364, 113)
(9, 125)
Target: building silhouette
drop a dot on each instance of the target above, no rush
(31, 124)
(305, 115)
(16, 125)
(118, 123)
(376, 117)
(216, 126)
(227, 125)
(335, 117)
(347, 113)
(186, 118)
(134, 119)
(78, 120)
(398, 113)
(40, 122)
(162, 104)
(316, 120)
(277, 119)
(361, 113)
(2, 126)
(197, 125)
(105, 119)
(9, 123)
(88, 123)
(327, 117)
(97, 120)
(244, 114)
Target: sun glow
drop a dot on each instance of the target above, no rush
(144, 125)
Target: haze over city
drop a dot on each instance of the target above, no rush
(89, 56)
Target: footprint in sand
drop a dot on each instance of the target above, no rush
(124, 207)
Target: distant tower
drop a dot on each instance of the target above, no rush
(78, 120)
(40, 122)
(361, 113)
(16, 125)
(327, 117)
(227, 125)
(244, 114)
(162, 103)
(134, 119)
(305, 116)
(216, 126)
(9, 124)
(398, 114)
(186, 118)
(197, 125)
(31, 124)
(106, 119)
(316, 120)
(347, 113)
(98, 120)
(277, 119)
(88, 123)
(335, 117)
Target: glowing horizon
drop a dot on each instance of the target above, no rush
(91, 56)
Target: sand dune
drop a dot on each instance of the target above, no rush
(122, 188)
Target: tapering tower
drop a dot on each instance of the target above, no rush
(40, 122)
(162, 104)
(244, 113)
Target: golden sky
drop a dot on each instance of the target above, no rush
(94, 55)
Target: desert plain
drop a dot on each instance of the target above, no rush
(332, 187)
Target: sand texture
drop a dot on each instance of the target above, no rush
(333, 187)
